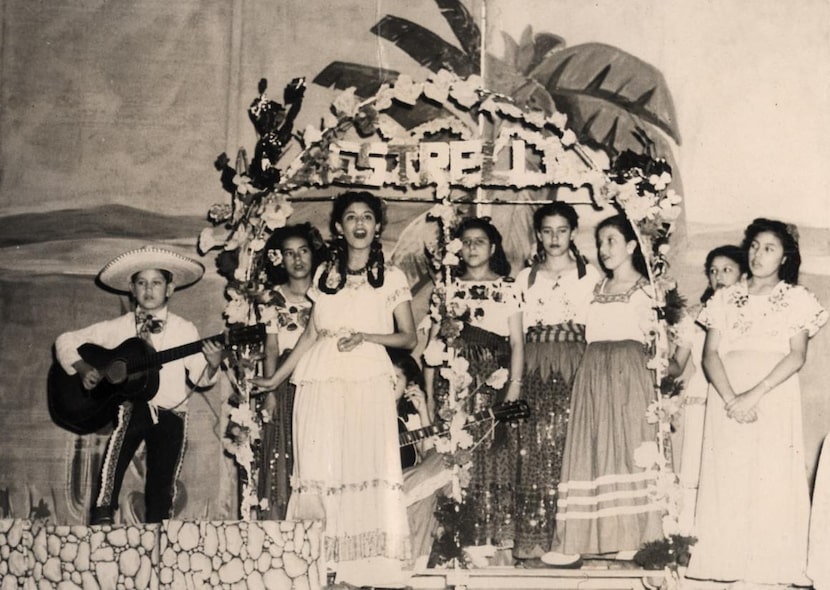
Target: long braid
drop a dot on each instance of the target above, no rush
(580, 260)
(375, 270)
(338, 263)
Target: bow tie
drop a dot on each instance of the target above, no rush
(146, 322)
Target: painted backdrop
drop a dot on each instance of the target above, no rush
(112, 114)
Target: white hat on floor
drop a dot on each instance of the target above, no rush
(118, 272)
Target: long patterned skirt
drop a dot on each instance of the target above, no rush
(276, 457)
(604, 503)
(552, 356)
(492, 475)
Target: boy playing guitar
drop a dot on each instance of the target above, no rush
(151, 275)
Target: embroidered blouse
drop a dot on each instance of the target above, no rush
(762, 322)
(621, 316)
(486, 304)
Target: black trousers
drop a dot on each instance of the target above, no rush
(164, 443)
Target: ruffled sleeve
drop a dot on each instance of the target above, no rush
(398, 287)
(806, 313)
(713, 314)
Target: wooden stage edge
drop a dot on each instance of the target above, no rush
(530, 578)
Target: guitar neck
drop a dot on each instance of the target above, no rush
(157, 359)
(412, 436)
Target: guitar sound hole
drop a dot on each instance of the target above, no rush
(117, 372)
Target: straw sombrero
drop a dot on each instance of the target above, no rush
(117, 273)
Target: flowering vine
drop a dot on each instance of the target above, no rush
(637, 184)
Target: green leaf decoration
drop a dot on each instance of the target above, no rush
(425, 47)
(464, 28)
(608, 94)
(366, 80)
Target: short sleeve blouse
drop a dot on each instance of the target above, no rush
(489, 303)
(762, 322)
(622, 316)
(548, 302)
(286, 319)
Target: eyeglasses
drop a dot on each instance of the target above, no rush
(478, 242)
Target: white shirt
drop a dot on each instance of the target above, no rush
(173, 389)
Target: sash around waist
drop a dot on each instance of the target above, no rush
(565, 332)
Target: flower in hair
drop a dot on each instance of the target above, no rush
(274, 256)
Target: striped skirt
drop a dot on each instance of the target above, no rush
(604, 503)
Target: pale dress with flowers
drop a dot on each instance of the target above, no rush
(604, 501)
(753, 504)
(347, 468)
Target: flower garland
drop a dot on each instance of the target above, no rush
(240, 230)
(635, 183)
(639, 186)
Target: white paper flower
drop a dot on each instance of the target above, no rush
(450, 259)
(435, 353)
(257, 244)
(311, 135)
(437, 86)
(640, 207)
(383, 97)
(274, 215)
(236, 311)
(647, 455)
(464, 440)
(210, 238)
(406, 90)
(443, 444)
(346, 103)
(498, 378)
(389, 128)
(465, 92)
(559, 120)
(455, 246)
(568, 138)
(446, 214)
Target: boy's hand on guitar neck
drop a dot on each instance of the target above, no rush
(90, 376)
(214, 353)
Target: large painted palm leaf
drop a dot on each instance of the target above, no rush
(612, 98)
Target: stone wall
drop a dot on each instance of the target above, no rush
(175, 554)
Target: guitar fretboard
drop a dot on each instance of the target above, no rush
(157, 359)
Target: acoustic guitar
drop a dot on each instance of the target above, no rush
(130, 373)
(506, 412)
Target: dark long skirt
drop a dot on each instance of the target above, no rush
(552, 356)
(493, 469)
(276, 457)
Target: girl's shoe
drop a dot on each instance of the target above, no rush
(562, 560)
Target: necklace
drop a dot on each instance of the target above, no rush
(357, 271)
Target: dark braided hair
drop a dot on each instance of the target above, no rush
(339, 248)
(567, 212)
(498, 261)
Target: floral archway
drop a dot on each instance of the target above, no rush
(479, 140)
